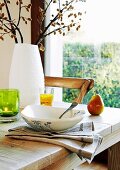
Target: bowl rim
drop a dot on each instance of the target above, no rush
(53, 119)
(74, 118)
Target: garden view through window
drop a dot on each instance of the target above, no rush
(94, 52)
(81, 60)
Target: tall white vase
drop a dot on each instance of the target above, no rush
(26, 73)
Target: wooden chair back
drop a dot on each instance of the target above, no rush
(84, 85)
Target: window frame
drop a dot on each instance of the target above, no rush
(34, 23)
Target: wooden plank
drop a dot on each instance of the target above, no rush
(110, 116)
(17, 157)
(95, 165)
(109, 140)
(114, 157)
(68, 163)
(21, 154)
(84, 85)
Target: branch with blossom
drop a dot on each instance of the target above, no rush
(9, 25)
(64, 18)
(61, 21)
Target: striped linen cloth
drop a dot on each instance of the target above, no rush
(81, 139)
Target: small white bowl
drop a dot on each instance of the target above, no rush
(47, 118)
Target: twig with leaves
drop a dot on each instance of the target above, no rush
(58, 22)
(61, 21)
(9, 25)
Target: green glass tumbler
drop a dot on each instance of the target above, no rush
(9, 105)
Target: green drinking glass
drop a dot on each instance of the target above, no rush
(9, 105)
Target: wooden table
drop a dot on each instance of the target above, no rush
(24, 155)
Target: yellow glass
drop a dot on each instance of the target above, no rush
(46, 99)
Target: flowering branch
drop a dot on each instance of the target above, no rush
(57, 22)
(8, 25)
(10, 20)
(63, 20)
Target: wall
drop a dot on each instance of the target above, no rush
(7, 46)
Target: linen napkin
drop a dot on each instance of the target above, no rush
(81, 139)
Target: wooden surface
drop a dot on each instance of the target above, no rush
(114, 157)
(67, 82)
(95, 165)
(84, 85)
(20, 154)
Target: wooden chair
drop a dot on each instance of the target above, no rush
(84, 85)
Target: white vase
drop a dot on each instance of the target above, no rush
(26, 73)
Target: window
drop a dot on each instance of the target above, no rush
(93, 52)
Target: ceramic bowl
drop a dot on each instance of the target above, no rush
(47, 118)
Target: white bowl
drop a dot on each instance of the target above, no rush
(47, 118)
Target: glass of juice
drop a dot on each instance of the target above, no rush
(46, 98)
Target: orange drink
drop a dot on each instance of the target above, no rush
(46, 99)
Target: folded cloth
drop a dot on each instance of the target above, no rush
(81, 139)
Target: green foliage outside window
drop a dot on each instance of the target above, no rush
(83, 60)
